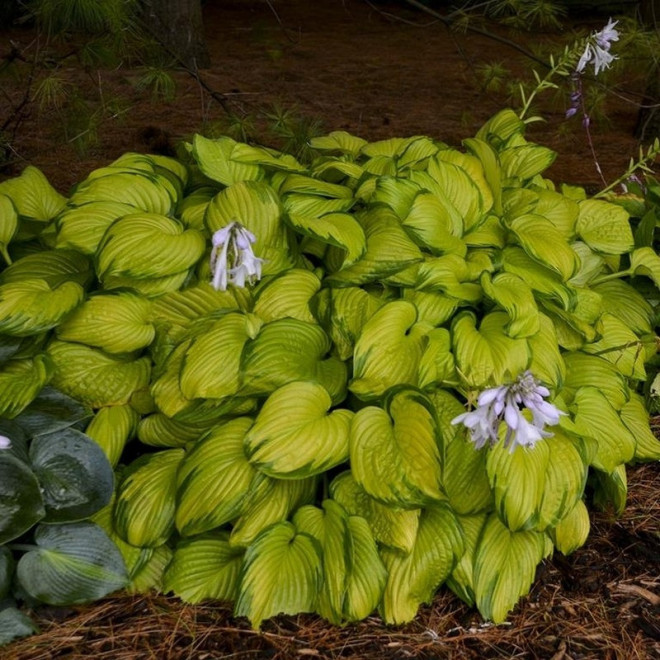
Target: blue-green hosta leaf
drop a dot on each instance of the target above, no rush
(21, 381)
(32, 195)
(143, 191)
(437, 366)
(547, 363)
(599, 420)
(31, 306)
(51, 411)
(593, 371)
(413, 579)
(504, 567)
(159, 430)
(14, 624)
(214, 158)
(461, 580)
(117, 322)
(389, 250)
(143, 512)
(282, 573)
(645, 261)
(388, 350)
(75, 477)
(147, 245)
(96, 378)
(620, 346)
(572, 530)
(204, 568)
(270, 501)
(82, 227)
(543, 242)
(627, 304)
(525, 161)
(340, 141)
(21, 502)
(75, 563)
(112, 428)
(635, 417)
(515, 296)
(395, 453)
(611, 489)
(604, 227)
(256, 206)
(214, 479)
(287, 295)
(390, 525)
(294, 436)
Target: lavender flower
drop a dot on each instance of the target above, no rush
(5, 442)
(232, 259)
(507, 403)
(597, 50)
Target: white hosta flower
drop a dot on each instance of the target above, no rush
(507, 403)
(232, 259)
(5, 442)
(597, 50)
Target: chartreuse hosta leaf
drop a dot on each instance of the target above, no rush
(299, 183)
(593, 371)
(595, 417)
(159, 430)
(353, 573)
(645, 261)
(8, 224)
(388, 350)
(560, 210)
(32, 195)
(437, 366)
(214, 158)
(30, 306)
(21, 381)
(572, 530)
(610, 489)
(53, 266)
(148, 245)
(340, 141)
(74, 563)
(205, 567)
(96, 378)
(193, 207)
(146, 500)
(294, 436)
(395, 453)
(635, 417)
(256, 206)
(117, 322)
(111, 428)
(525, 161)
(269, 158)
(214, 479)
(448, 274)
(461, 579)
(604, 227)
(547, 363)
(504, 567)
(627, 304)
(150, 576)
(287, 295)
(413, 579)
(515, 296)
(282, 573)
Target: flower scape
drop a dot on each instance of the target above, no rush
(329, 388)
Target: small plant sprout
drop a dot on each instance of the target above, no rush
(5, 442)
(232, 259)
(507, 404)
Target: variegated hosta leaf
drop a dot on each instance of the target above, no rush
(150, 287)
(111, 428)
(572, 530)
(559, 209)
(461, 580)
(8, 224)
(20, 382)
(30, 306)
(610, 489)
(270, 501)
(32, 195)
(214, 158)
(340, 141)
(282, 573)
(432, 308)
(627, 304)
(604, 227)
(255, 206)
(147, 245)
(593, 371)
(268, 158)
(635, 417)
(388, 351)
(118, 322)
(204, 568)
(525, 161)
(515, 296)
(413, 579)
(448, 274)
(287, 295)
(437, 366)
(150, 577)
(53, 266)
(353, 573)
(595, 417)
(500, 127)
(547, 363)
(143, 512)
(96, 378)
(82, 227)
(193, 207)
(390, 525)
(214, 479)
(143, 191)
(396, 193)
(294, 436)
(395, 453)
(389, 250)
(504, 567)
(159, 430)
(645, 261)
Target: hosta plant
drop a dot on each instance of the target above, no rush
(334, 388)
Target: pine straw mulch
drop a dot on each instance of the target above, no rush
(601, 602)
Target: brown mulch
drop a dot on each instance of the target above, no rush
(602, 602)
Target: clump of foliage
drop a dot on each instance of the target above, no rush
(290, 445)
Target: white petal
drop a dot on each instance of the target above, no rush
(5, 442)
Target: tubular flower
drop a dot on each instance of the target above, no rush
(507, 404)
(232, 259)
(5, 442)
(597, 50)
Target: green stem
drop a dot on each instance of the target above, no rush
(611, 276)
(5, 254)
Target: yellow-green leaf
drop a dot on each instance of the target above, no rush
(604, 227)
